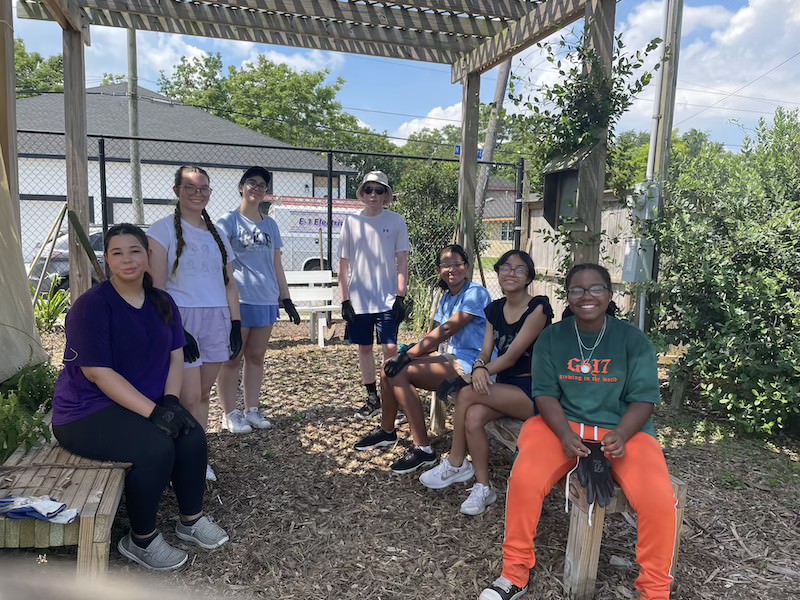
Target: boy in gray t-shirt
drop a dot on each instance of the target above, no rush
(373, 278)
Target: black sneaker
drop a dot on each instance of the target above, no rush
(503, 589)
(372, 408)
(377, 439)
(413, 460)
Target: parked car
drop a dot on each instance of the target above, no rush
(59, 261)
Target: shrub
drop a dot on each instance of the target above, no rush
(50, 307)
(24, 400)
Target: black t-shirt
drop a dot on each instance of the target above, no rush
(504, 333)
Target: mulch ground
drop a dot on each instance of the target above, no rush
(309, 517)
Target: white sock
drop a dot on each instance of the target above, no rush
(427, 449)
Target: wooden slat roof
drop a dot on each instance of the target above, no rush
(470, 35)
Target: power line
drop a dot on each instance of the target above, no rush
(736, 91)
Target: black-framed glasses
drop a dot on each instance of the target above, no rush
(452, 266)
(520, 270)
(254, 185)
(193, 189)
(368, 189)
(595, 290)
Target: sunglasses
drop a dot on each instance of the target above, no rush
(368, 189)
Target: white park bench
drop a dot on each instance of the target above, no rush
(312, 293)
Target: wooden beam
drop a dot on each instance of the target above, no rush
(76, 152)
(533, 27)
(8, 108)
(468, 167)
(509, 9)
(225, 17)
(404, 17)
(69, 15)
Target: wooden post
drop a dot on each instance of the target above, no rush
(467, 175)
(8, 107)
(599, 17)
(583, 552)
(76, 151)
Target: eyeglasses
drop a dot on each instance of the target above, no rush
(507, 269)
(368, 189)
(193, 189)
(254, 185)
(452, 266)
(595, 290)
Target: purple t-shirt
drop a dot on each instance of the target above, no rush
(103, 330)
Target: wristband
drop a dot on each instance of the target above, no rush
(481, 367)
(479, 362)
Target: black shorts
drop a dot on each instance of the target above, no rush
(524, 382)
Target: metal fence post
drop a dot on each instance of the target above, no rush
(330, 211)
(518, 204)
(101, 159)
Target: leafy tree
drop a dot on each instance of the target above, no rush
(111, 79)
(36, 74)
(730, 243)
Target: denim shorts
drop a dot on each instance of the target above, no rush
(361, 330)
(257, 315)
(211, 327)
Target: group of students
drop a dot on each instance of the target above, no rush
(188, 299)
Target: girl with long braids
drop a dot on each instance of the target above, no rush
(117, 400)
(192, 261)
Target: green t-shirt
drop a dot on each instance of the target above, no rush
(623, 370)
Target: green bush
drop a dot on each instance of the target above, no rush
(730, 269)
(24, 400)
(50, 307)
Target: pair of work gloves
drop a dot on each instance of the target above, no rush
(191, 351)
(594, 474)
(399, 311)
(171, 418)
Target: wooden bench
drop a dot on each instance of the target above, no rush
(312, 292)
(93, 488)
(583, 541)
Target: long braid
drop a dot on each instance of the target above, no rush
(213, 230)
(178, 234)
(163, 307)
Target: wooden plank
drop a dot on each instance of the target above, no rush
(405, 17)
(86, 540)
(109, 503)
(11, 533)
(41, 534)
(308, 277)
(220, 15)
(583, 552)
(8, 113)
(25, 533)
(467, 170)
(513, 9)
(536, 25)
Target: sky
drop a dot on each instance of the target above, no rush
(739, 61)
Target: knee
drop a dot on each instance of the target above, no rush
(254, 356)
(474, 421)
(365, 351)
(157, 452)
(194, 441)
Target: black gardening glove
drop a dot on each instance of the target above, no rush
(348, 312)
(170, 401)
(235, 339)
(594, 473)
(171, 418)
(191, 352)
(396, 364)
(399, 309)
(291, 311)
(450, 386)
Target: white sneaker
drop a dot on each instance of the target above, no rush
(254, 417)
(210, 475)
(480, 497)
(444, 474)
(235, 422)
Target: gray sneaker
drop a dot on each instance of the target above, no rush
(205, 533)
(158, 556)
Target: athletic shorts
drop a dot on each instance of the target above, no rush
(258, 315)
(211, 327)
(361, 330)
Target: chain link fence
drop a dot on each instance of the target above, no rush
(311, 193)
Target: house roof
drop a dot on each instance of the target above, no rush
(107, 115)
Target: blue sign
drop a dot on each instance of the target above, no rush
(457, 151)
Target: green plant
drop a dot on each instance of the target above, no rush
(34, 387)
(18, 427)
(50, 307)
(728, 284)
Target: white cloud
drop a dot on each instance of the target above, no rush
(304, 60)
(435, 119)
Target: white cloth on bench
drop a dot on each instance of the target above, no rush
(43, 508)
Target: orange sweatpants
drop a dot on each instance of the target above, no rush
(641, 473)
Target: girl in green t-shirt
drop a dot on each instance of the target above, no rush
(595, 380)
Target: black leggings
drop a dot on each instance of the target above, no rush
(117, 434)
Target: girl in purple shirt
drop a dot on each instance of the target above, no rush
(117, 400)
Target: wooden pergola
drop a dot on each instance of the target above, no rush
(470, 35)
